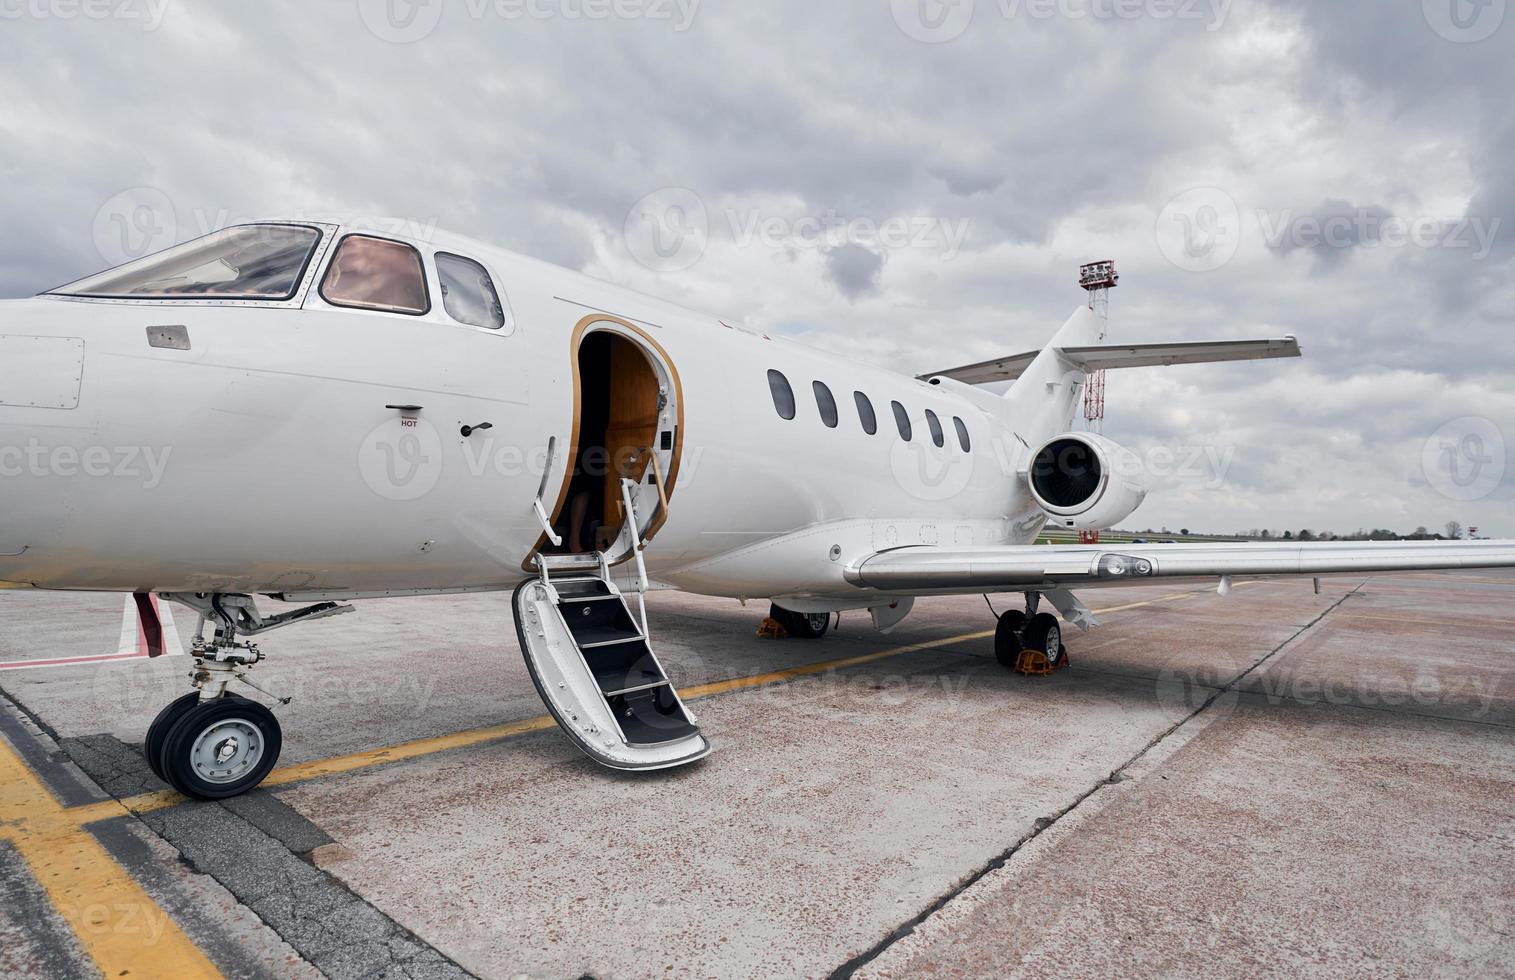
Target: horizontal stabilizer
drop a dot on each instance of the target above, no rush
(1104, 358)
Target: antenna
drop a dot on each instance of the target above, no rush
(1098, 278)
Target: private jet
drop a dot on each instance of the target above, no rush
(318, 414)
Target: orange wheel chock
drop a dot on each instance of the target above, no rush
(772, 629)
(1033, 663)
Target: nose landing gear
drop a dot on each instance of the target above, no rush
(211, 744)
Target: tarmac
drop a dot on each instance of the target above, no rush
(1270, 781)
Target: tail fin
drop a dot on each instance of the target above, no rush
(1042, 401)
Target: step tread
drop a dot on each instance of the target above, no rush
(634, 688)
(596, 644)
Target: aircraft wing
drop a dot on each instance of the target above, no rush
(1106, 357)
(925, 569)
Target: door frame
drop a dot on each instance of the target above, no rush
(662, 364)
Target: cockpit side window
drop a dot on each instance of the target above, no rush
(244, 262)
(468, 294)
(376, 274)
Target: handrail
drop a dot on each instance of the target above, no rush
(636, 550)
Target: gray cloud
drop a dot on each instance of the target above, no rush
(854, 269)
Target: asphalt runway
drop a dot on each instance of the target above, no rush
(1274, 781)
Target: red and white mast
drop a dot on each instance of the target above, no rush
(1098, 278)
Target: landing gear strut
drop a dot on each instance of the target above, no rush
(211, 744)
(1018, 631)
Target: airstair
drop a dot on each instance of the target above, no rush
(593, 664)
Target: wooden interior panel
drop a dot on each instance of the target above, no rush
(633, 424)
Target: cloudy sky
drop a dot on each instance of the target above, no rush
(912, 182)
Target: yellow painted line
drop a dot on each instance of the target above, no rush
(303, 771)
(122, 930)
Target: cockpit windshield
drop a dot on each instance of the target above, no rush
(242, 262)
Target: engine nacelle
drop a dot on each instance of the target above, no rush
(1085, 481)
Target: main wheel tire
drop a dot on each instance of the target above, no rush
(221, 748)
(803, 626)
(1044, 633)
(158, 730)
(1007, 638)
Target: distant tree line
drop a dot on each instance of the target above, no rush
(1452, 531)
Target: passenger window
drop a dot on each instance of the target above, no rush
(865, 413)
(468, 294)
(825, 403)
(376, 274)
(935, 424)
(962, 434)
(783, 395)
(902, 419)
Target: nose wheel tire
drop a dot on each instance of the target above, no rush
(158, 730)
(221, 748)
(805, 626)
(1007, 638)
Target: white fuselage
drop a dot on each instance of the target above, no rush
(264, 458)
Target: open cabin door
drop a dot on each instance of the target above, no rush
(627, 424)
(591, 660)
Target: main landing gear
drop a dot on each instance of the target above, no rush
(1018, 632)
(804, 626)
(211, 744)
